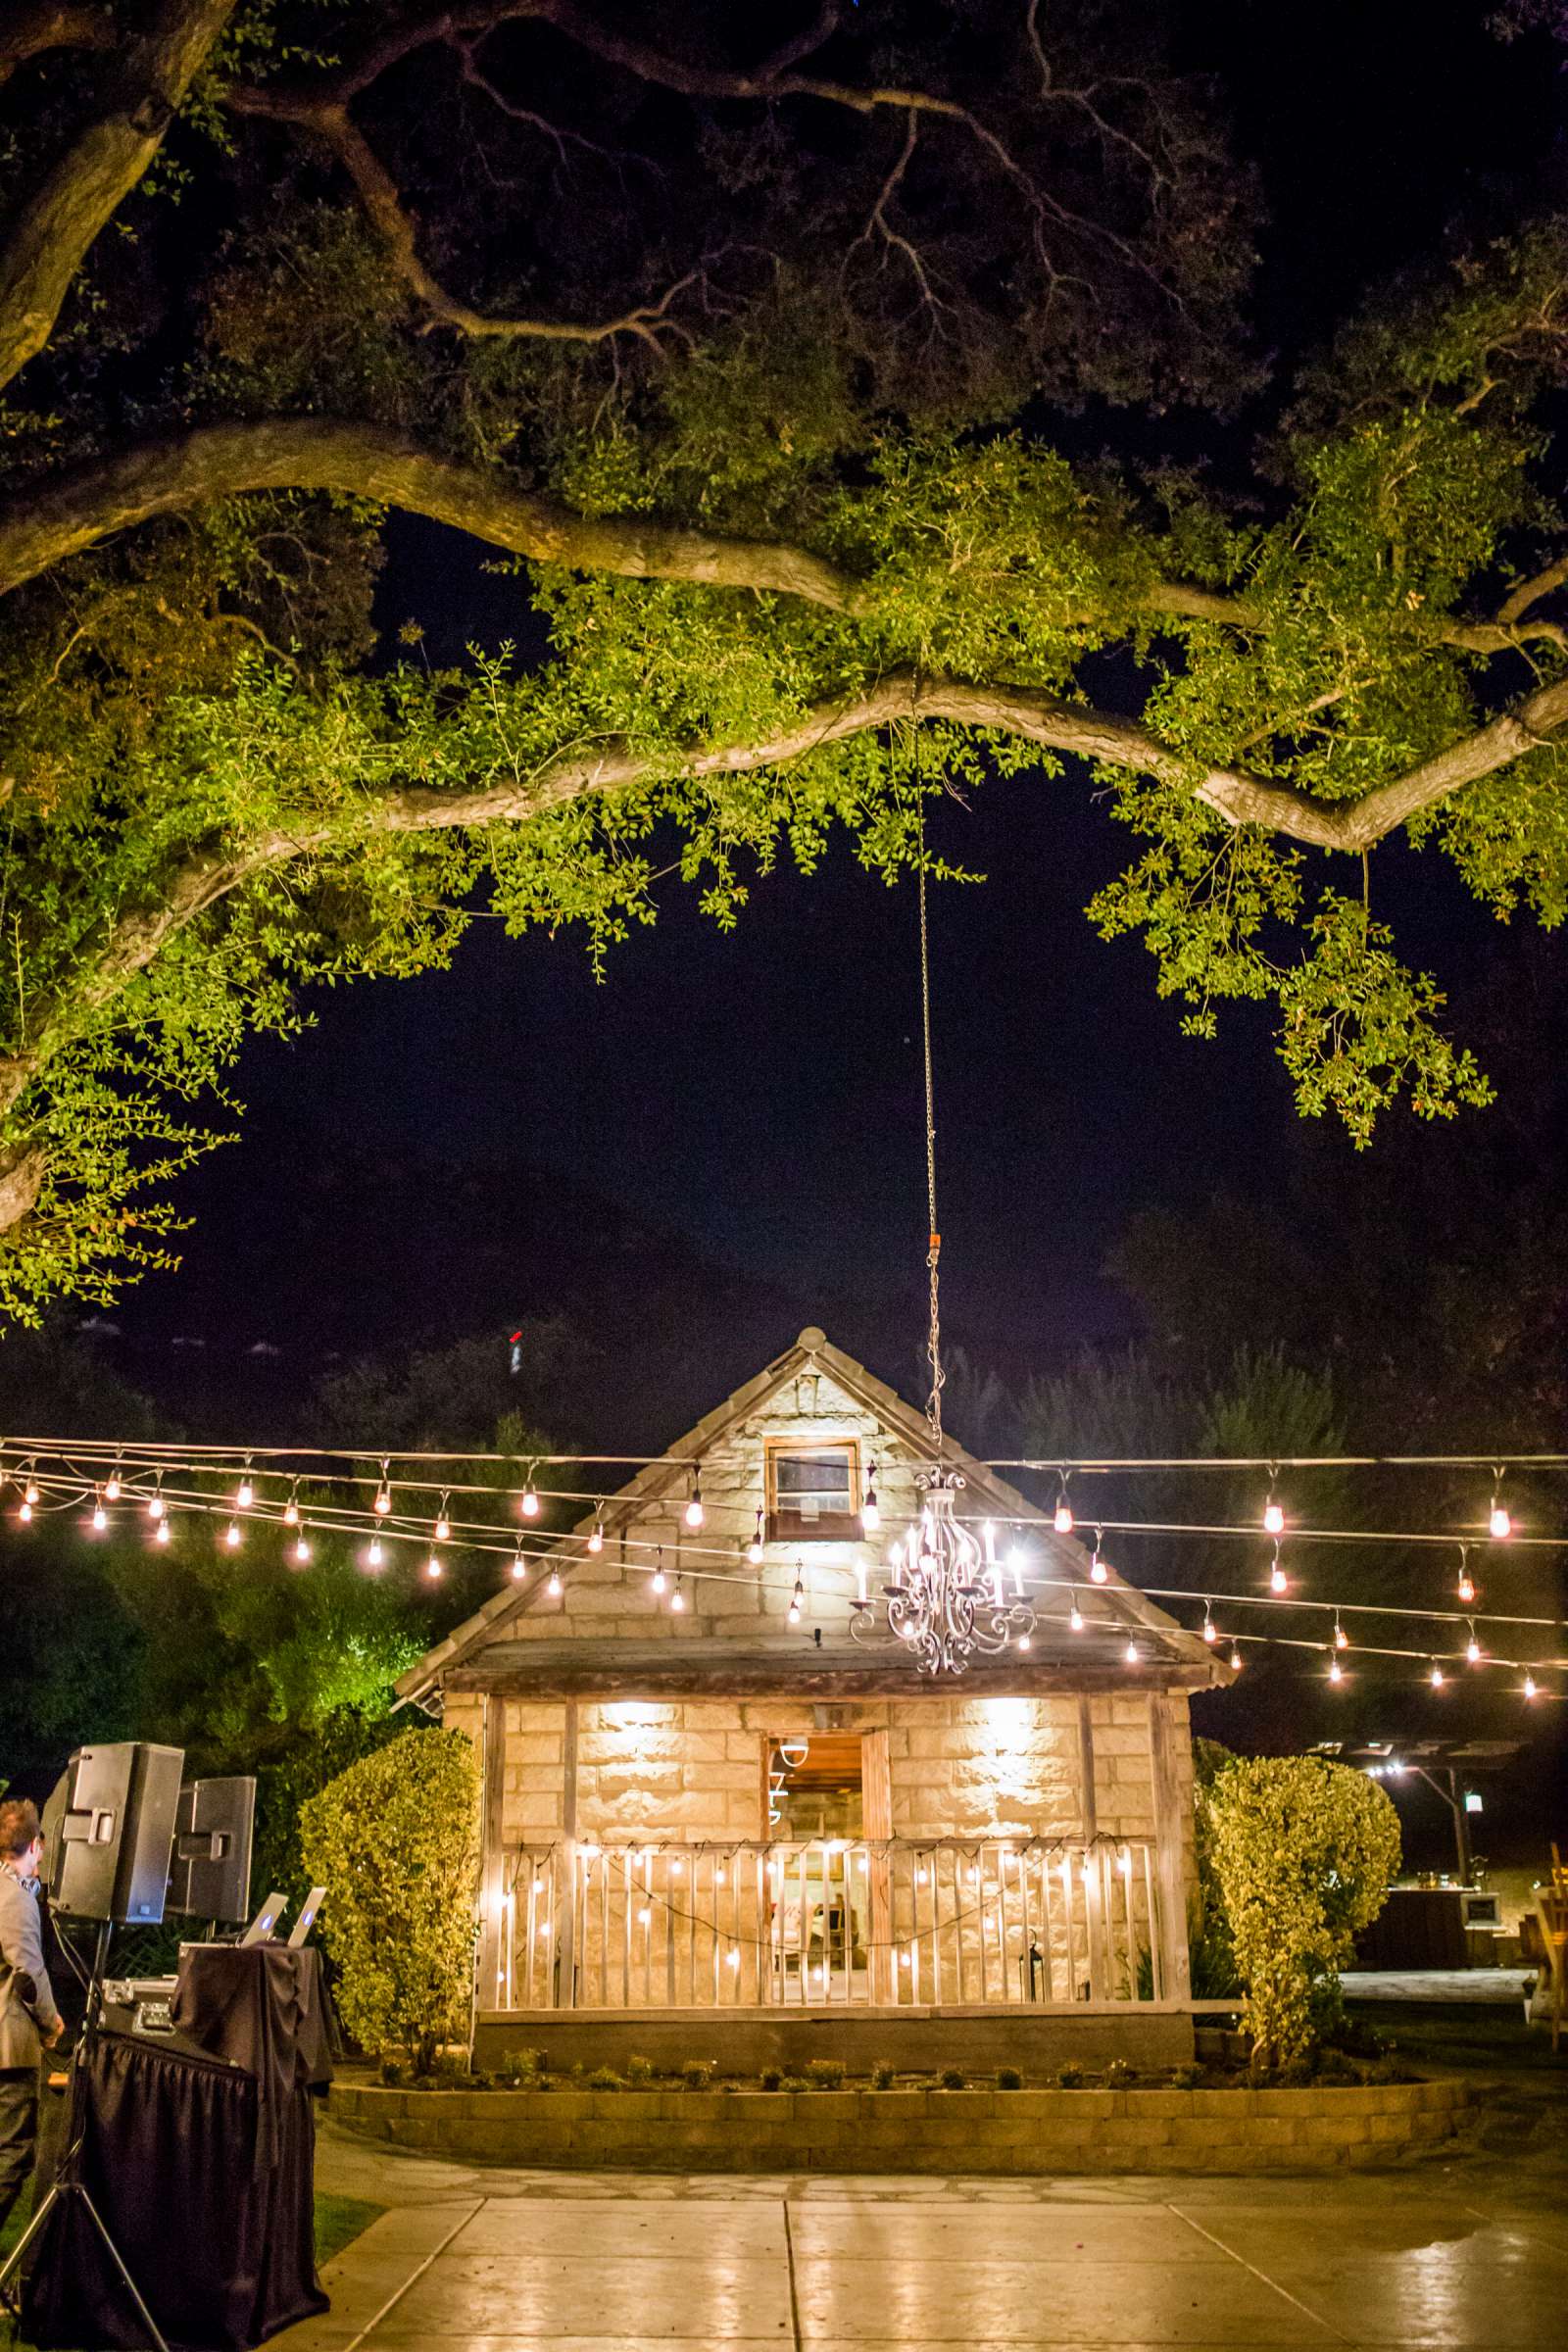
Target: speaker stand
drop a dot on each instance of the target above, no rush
(68, 2183)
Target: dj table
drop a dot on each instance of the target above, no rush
(199, 2153)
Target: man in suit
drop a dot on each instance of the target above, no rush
(29, 2022)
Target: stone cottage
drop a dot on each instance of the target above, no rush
(723, 1808)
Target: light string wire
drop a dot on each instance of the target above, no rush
(548, 1551)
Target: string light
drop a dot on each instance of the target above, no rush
(677, 1598)
(529, 1505)
(554, 1586)
(596, 1541)
(1529, 1683)
(753, 1550)
(291, 1508)
(520, 1567)
(1435, 1678)
(797, 1597)
(695, 1514)
(432, 1566)
(1062, 1518)
(870, 1508)
(112, 1483)
(302, 1549)
(1273, 1513)
(160, 1531)
(1335, 1672)
(156, 1505)
(30, 1492)
(1472, 1649)
(443, 1523)
(245, 1492)
(1098, 1573)
(1278, 1580)
(1210, 1629)
(25, 1514)
(1467, 1583)
(383, 1496)
(372, 1557)
(1499, 1522)
(657, 1581)
(1132, 1652)
(232, 1536)
(1075, 1616)
(1341, 1640)
(1236, 1659)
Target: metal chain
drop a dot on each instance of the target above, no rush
(934, 1248)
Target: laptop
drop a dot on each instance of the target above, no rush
(267, 1918)
(307, 1918)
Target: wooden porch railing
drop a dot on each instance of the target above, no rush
(890, 1923)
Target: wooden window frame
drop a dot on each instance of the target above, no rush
(837, 1527)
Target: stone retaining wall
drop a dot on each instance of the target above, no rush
(916, 2130)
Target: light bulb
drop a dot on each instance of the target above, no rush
(384, 1501)
(112, 1486)
(372, 1558)
(1472, 1651)
(1132, 1653)
(529, 1505)
(1062, 1518)
(291, 1513)
(1467, 1585)
(1278, 1582)
(432, 1566)
(695, 1514)
(26, 1513)
(1499, 1524)
(793, 1613)
(1273, 1518)
(596, 1541)
(443, 1529)
(1098, 1573)
(156, 1506)
(232, 1536)
(554, 1586)
(1335, 1674)
(1435, 1676)
(30, 1492)
(1210, 1629)
(1075, 1618)
(519, 1569)
(244, 1495)
(678, 1600)
(1236, 1659)
(301, 1550)
(1341, 1640)
(1530, 1686)
(161, 1532)
(1025, 1641)
(657, 1580)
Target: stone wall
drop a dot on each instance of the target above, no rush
(988, 2132)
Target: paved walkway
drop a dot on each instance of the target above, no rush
(1463, 2253)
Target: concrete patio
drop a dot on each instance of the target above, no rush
(1468, 2251)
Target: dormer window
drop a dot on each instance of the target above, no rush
(813, 1491)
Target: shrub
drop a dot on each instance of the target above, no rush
(954, 2078)
(1119, 2075)
(395, 1842)
(639, 2070)
(605, 2078)
(882, 2077)
(392, 2073)
(1304, 1850)
(825, 2073)
(771, 2076)
(696, 2073)
(1187, 2077)
(521, 2065)
(1008, 2078)
(1070, 2078)
(794, 2082)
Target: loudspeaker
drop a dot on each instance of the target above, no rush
(108, 1831)
(211, 1875)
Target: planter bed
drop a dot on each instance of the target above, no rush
(664, 2127)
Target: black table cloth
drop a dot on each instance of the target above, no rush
(201, 2163)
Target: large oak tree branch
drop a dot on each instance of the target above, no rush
(31, 32)
(52, 229)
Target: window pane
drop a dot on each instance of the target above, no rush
(811, 1486)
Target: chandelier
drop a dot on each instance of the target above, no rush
(946, 1597)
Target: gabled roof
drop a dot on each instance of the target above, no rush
(665, 1478)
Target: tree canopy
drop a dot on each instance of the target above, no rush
(822, 398)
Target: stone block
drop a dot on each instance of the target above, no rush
(535, 1748)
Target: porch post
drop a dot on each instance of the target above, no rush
(1086, 1767)
(876, 1824)
(566, 1941)
(492, 1847)
(1174, 1970)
